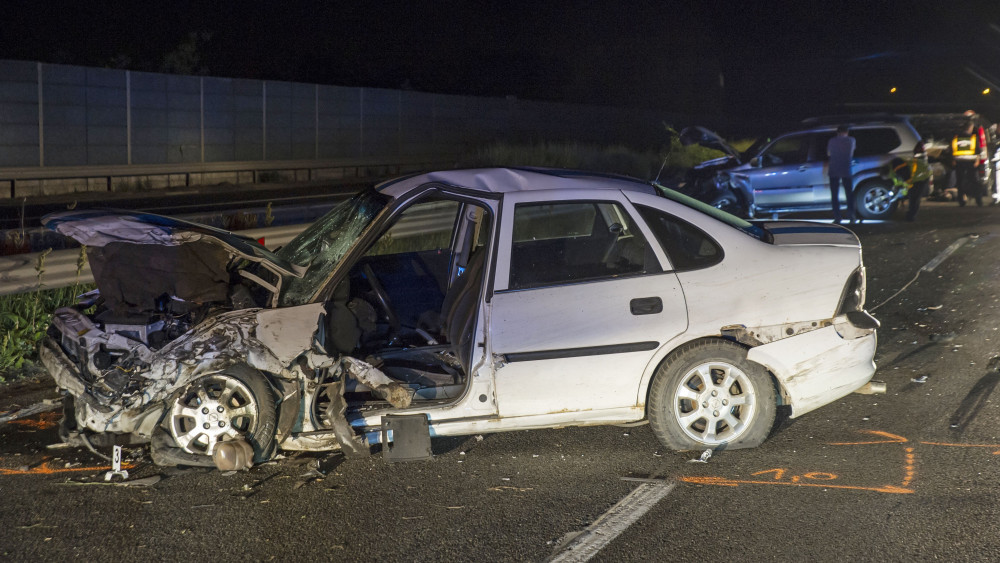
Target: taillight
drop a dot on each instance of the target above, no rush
(982, 139)
(853, 298)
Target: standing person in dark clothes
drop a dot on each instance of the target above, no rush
(840, 149)
(920, 180)
(966, 153)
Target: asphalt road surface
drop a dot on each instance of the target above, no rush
(909, 475)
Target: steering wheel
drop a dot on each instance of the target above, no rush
(383, 301)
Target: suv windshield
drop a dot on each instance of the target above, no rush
(321, 246)
(747, 227)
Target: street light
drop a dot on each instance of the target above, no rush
(986, 91)
(892, 90)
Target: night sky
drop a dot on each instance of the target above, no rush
(703, 57)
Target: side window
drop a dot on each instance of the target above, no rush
(793, 149)
(820, 142)
(875, 141)
(426, 225)
(559, 243)
(687, 246)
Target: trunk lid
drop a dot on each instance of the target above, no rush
(806, 233)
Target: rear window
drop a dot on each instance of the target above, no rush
(875, 141)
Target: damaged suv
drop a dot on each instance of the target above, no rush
(459, 302)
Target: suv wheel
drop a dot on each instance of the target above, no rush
(874, 200)
(730, 203)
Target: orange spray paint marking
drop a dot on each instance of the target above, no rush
(890, 439)
(43, 421)
(910, 470)
(45, 469)
(721, 481)
(778, 473)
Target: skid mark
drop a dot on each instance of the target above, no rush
(989, 446)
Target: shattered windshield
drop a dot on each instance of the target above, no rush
(747, 227)
(321, 246)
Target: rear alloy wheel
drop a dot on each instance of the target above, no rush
(225, 406)
(709, 395)
(874, 200)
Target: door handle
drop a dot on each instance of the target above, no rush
(646, 306)
(803, 168)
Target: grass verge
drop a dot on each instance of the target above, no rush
(24, 319)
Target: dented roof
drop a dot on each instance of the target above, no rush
(504, 180)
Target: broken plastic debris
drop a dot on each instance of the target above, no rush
(233, 455)
(703, 458)
(921, 379)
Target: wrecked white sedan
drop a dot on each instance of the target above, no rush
(459, 302)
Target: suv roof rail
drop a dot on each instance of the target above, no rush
(853, 118)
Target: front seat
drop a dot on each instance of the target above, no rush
(458, 312)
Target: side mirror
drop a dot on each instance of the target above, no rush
(755, 162)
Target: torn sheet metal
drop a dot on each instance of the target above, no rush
(807, 364)
(379, 383)
(132, 403)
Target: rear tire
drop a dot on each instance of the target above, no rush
(708, 395)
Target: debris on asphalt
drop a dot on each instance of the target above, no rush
(930, 308)
(921, 379)
(44, 406)
(946, 337)
(703, 458)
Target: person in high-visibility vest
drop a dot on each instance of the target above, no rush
(920, 180)
(967, 151)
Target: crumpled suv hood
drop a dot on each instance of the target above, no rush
(138, 257)
(709, 139)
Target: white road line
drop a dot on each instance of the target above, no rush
(612, 523)
(929, 267)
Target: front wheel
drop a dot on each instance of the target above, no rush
(874, 200)
(709, 395)
(730, 203)
(236, 404)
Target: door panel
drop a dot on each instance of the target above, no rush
(580, 347)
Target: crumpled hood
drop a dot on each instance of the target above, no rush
(96, 228)
(706, 138)
(789, 233)
(137, 257)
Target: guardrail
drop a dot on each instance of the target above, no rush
(18, 274)
(46, 180)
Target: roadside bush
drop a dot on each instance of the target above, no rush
(24, 318)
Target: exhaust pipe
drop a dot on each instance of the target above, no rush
(872, 388)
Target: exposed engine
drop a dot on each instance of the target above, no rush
(109, 346)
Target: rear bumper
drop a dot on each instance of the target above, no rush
(818, 367)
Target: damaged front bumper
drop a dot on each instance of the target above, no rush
(818, 367)
(134, 416)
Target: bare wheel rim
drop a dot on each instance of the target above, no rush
(714, 403)
(212, 409)
(877, 199)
